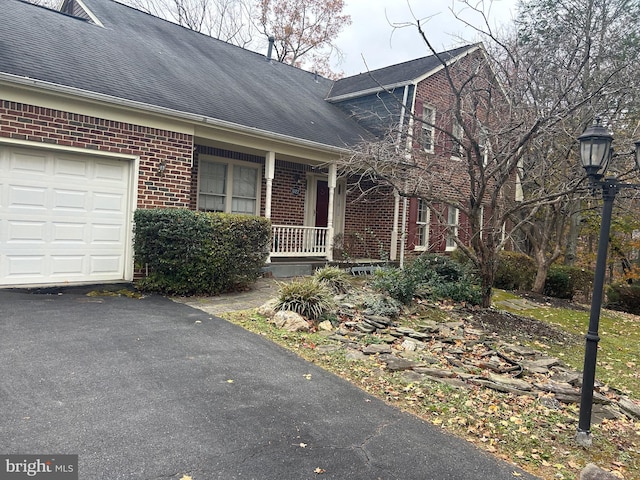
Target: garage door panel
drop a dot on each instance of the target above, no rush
(76, 169)
(68, 265)
(25, 266)
(110, 172)
(26, 232)
(30, 163)
(23, 196)
(105, 264)
(69, 233)
(63, 218)
(76, 200)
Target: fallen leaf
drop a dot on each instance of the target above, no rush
(319, 470)
(185, 477)
(229, 381)
(516, 474)
(307, 376)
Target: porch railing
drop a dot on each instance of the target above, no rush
(294, 241)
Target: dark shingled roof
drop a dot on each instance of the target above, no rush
(399, 74)
(142, 58)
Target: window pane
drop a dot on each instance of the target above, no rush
(243, 205)
(213, 178)
(244, 181)
(211, 203)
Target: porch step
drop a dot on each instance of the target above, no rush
(287, 270)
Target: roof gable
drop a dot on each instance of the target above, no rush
(77, 8)
(394, 76)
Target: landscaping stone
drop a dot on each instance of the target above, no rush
(630, 407)
(355, 356)
(376, 348)
(506, 368)
(326, 326)
(290, 321)
(593, 472)
(268, 309)
(396, 364)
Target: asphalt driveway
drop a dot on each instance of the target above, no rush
(151, 389)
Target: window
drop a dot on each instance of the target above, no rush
(422, 226)
(457, 134)
(428, 119)
(228, 187)
(452, 226)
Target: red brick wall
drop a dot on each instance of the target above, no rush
(368, 223)
(45, 125)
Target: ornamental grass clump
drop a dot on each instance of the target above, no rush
(334, 278)
(307, 296)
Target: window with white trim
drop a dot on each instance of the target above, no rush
(229, 187)
(428, 132)
(422, 226)
(453, 215)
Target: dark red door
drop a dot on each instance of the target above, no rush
(322, 204)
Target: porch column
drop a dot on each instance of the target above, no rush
(269, 171)
(333, 175)
(393, 254)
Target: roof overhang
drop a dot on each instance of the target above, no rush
(414, 81)
(191, 118)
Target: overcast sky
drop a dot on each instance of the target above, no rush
(372, 36)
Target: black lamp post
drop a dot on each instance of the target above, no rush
(596, 153)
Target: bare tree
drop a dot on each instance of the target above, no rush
(227, 20)
(301, 27)
(507, 106)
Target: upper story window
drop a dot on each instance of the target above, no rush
(422, 226)
(428, 132)
(229, 187)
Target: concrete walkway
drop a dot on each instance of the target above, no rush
(263, 290)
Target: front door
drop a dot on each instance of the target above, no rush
(322, 203)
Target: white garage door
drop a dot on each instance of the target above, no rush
(63, 217)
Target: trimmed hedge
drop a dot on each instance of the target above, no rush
(193, 253)
(564, 281)
(516, 271)
(624, 297)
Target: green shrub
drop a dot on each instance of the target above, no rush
(558, 283)
(624, 297)
(306, 296)
(334, 278)
(564, 281)
(380, 305)
(516, 271)
(429, 276)
(396, 283)
(188, 253)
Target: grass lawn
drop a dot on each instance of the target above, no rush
(520, 429)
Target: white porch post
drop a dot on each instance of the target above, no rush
(393, 254)
(333, 175)
(405, 204)
(269, 172)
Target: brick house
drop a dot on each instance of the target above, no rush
(105, 109)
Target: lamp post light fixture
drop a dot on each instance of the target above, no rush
(596, 153)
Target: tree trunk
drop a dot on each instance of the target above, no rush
(541, 277)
